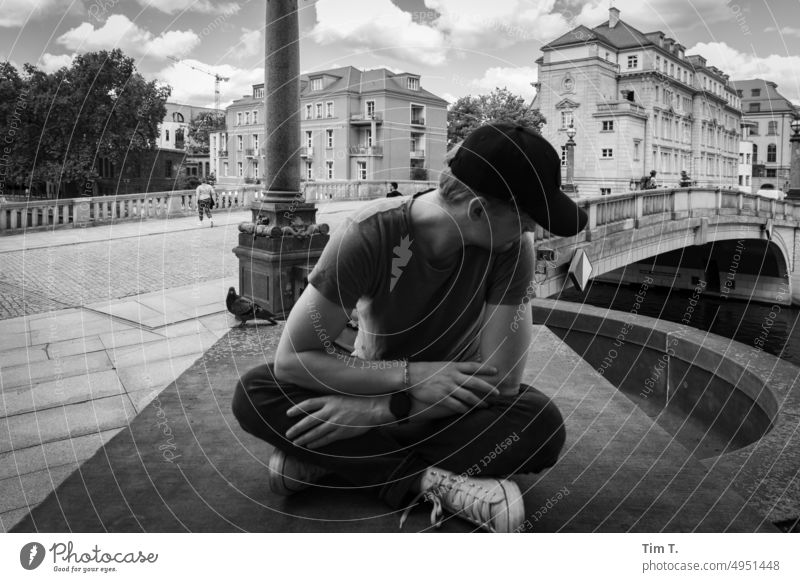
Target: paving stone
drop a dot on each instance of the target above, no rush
(84, 345)
(129, 337)
(25, 355)
(58, 392)
(27, 491)
(162, 350)
(74, 420)
(10, 341)
(11, 518)
(152, 376)
(17, 376)
(53, 454)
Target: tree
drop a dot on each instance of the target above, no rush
(200, 127)
(470, 112)
(99, 107)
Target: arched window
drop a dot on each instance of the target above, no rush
(772, 151)
(755, 154)
(177, 117)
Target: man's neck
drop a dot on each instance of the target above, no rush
(436, 232)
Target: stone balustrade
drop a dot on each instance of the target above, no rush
(360, 190)
(18, 217)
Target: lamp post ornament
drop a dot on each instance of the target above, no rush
(794, 169)
(569, 186)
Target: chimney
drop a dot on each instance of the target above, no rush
(613, 17)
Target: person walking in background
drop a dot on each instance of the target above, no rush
(205, 201)
(393, 192)
(685, 181)
(651, 181)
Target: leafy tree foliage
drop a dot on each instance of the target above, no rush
(98, 107)
(201, 125)
(470, 112)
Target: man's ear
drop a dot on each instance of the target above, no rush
(476, 208)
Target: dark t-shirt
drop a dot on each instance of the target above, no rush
(407, 308)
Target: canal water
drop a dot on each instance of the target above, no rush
(772, 328)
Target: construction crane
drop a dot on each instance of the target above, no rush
(217, 79)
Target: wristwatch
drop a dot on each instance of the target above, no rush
(400, 406)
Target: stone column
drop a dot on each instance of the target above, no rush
(569, 186)
(282, 243)
(794, 169)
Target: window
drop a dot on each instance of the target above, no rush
(318, 110)
(362, 170)
(747, 161)
(247, 118)
(328, 138)
(368, 136)
(255, 141)
(255, 116)
(671, 70)
(607, 153)
(747, 180)
(225, 168)
(605, 191)
(755, 92)
(658, 63)
(168, 168)
(741, 182)
(239, 142)
(329, 169)
(309, 171)
(636, 150)
(316, 84)
(741, 157)
(309, 139)
(255, 169)
(166, 135)
(413, 83)
(772, 151)
(755, 154)
(754, 107)
(566, 119)
(369, 108)
(258, 93)
(239, 118)
(772, 128)
(239, 169)
(329, 109)
(564, 156)
(633, 61)
(754, 130)
(177, 117)
(308, 111)
(772, 173)
(608, 126)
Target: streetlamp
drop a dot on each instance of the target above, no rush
(569, 186)
(794, 168)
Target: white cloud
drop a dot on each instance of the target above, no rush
(380, 26)
(15, 13)
(784, 30)
(206, 6)
(499, 23)
(193, 87)
(119, 32)
(252, 43)
(783, 69)
(50, 63)
(669, 16)
(516, 79)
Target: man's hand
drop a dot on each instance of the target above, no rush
(332, 418)
(456, 386)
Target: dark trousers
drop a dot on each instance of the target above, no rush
(204, 205)
(519, 434)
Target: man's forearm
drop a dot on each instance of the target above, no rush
(340, 374)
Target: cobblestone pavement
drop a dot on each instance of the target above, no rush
(39, 280)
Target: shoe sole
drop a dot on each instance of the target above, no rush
(277, 481)
(511, 520)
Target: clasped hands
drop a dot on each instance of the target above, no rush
(437, 389)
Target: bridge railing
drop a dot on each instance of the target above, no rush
(20, 216)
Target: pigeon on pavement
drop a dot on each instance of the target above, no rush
(246, 309)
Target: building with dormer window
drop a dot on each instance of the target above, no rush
(355, 125)
(638, 103)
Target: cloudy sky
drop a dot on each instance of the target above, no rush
(459, 47)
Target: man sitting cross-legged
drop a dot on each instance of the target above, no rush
(431, 404)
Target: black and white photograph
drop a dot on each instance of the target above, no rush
(307, 270)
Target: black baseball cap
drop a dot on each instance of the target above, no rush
(508, 161)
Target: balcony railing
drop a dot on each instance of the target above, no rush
(361, 150)
(306, 152)
(417, 121)
(249, 153)
(223, 153)
(417, 153)
(366, 117)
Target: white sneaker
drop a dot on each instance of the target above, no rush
(288, 475)
(493, 504)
